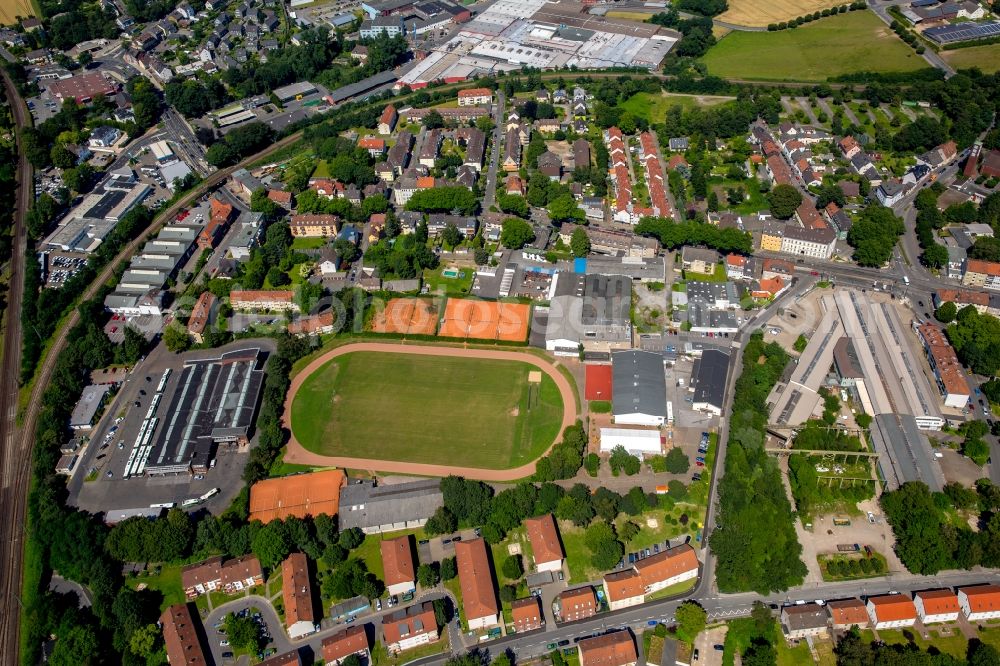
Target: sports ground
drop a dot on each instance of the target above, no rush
(427, 410)
(462, 318)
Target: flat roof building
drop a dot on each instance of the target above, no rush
(639, 388)
(87, 407)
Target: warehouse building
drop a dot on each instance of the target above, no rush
(637, 442)
(387, 508)
(708, 379)
(639, 388)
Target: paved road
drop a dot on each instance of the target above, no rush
(15, 455)
(490, 192)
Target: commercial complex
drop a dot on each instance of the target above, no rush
(589, 310)
(211, 401)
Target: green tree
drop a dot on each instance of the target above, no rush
(513, 204)
(351, 538)
(270, 544)
(427, 575)
(78, 645)
(516, 233)
(451, 235)
(691, 619)
(676, 461)
(579, 242)
(512, 567)
(143, 642)
(564, 209)
(605, 549)
(176, 338)
(783, 200)
(946, 312)
(243, 633)
(449, 569)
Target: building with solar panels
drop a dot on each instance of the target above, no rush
(209, 402)
(963, 32)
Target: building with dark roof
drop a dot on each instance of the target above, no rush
(803, 620)
(388, 508)
(212, 401)
(410, 627)
(708, 379)
(639, 394)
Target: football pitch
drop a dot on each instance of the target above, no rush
(427, 409)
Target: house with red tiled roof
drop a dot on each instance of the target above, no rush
(397, 562)
(889, 611)
(410, 627)
(526, 614)
(768, 288)
(981, 273)
(936, 606)
(613, 649)
(340, 646)
(846, 613)
(281, 197)
(545, 544)
(980, 602)
(180, 636)
(623, 589)
(514, 185)
(577, 604)
(373, 145)
(296, 590)
(475, 577)
(387, 121)
(668, 567)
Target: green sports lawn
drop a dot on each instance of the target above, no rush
(427, 409)
(852, 42)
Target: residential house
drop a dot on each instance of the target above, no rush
(275, 300)
(374, 146)
(200, 316)
(668, 567)
(548, 125)
(577, 604)
(397, 561)
(847, 613)
(890, 192)
(296, 590)
(387, 121)
(314, 225)
(550, 165)
(181, 636)
(545, 545)
(980, 273)
(511, 160)
(890, 611)
(475, 97)
(526, 614)
(318, 324)
(340, 646)
(581, 153)
(611, 649)
(936, 606)
(475, 576)
(980, 602)
(699, 259)
(803, 620)
(736, 267)
(678, 144)
(623, 589)
(514, 185)
(410, 627)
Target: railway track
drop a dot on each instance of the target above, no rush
(15, 452)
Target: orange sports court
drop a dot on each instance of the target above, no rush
(408, 316)
(486, 320)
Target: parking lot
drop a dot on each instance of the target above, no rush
(61, 266)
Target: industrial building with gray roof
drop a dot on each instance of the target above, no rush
(388, 508)
(639, 388)
(708, 379)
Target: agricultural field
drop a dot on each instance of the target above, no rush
(986, 58)
(471, 412)
(758, 14)
(10, 10)
(852, 42)
(654, 107)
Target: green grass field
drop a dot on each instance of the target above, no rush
(852, 42)
(654, 107)
(427, 409)
(986, 58)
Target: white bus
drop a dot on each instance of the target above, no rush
(670, 413)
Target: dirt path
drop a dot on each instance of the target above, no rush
(298, 454)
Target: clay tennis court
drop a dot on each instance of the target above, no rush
(485, 320)
(409, 316)
(296, 453)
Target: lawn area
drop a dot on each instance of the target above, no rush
(456, 286)
(953, 643)
(654, 107)
(718, 275)
(167, 582)
(308, 243)
(427, 409)
(322, 170)
(853, 42)
(986, 58)
(750, 12)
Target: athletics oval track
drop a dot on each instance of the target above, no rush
(297, 454)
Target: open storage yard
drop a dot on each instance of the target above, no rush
(853, 42)
(986, 58)
(753, 13)
(428, 405)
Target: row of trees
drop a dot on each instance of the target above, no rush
(976, 339)
(676, 234)
(874, 235)
(755, 543)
